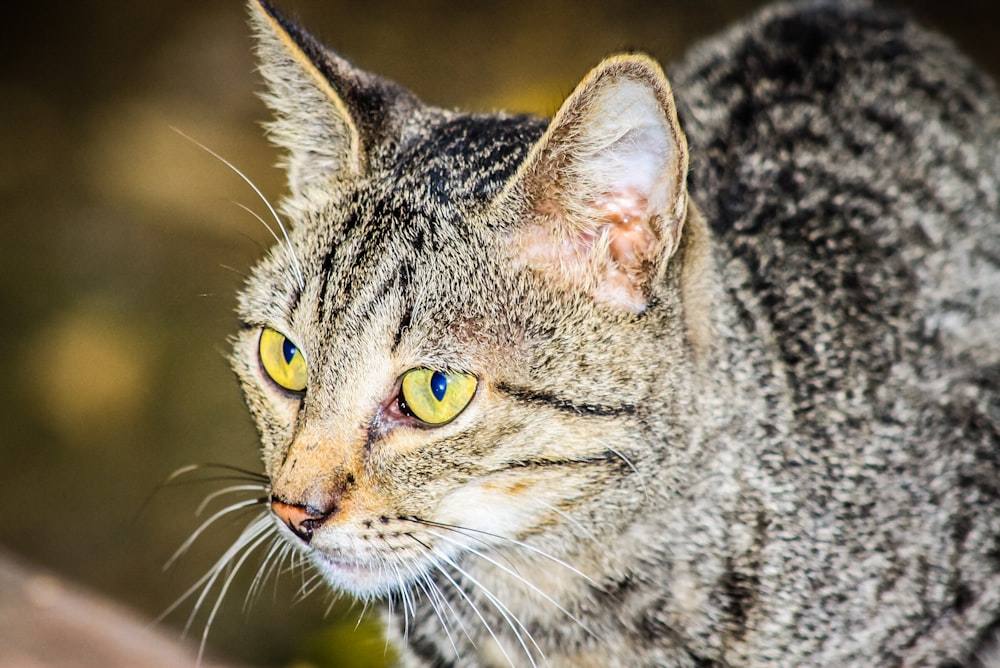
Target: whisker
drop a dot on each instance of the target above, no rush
(512, 541)
(364, 610)
(248, 550)
(310, 585)
(288, 242)
(334, 598)
(569, 518)
(222, 492)
(191, 468)
(186, 545)
(173, 480)
(287, 563)
(433, 586)
(254, 532)
(215, 478)
(475, 608)
(263, 222)
(625, 459)
(438, 601)
(405, 601)
(427, 586)
(389, 615)
(486, 544)
(250, 532)
(432, 589)
(512, 621)
(238, 272)
(521, 579)
(265, 571)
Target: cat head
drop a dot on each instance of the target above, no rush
(463, 337)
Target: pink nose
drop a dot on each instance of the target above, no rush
(302, 520)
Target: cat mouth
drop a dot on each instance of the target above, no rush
(360, 578)
(341, 567)
(375, 574)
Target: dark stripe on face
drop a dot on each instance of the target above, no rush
(326, 272)
(403, 285)
(333, 265)
(404, 324)
(393, 288)
(604, 458)
(535, 398)
(368, 230)
(293, 303)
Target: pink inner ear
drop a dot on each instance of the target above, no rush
(623, 216)
(626, 219)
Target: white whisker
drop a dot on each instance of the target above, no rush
(467, 531)
(364, 610)
(250, 532)
(334, 597)
(569, 518)
(389, 615)
(184, 470)
(222, 492)
(287, 555)
(520, 578)
(186, 545)
(284, 232)
(265, 570)
(434, 599)
(263, 222)
(512, 621)
(625, 459)
(434, 592)
(248, 550)
(475, 609)
(404, 600)
(256, 531)
(243, 474)
(310, 585)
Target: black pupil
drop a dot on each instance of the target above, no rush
(439, 385)
(288, 350)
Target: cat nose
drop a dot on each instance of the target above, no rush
(302, 520)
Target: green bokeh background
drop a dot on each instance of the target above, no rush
(121, 250)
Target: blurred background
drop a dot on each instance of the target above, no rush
(121, 250)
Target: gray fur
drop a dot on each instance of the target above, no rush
(787, 452)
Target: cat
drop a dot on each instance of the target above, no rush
(711, 380)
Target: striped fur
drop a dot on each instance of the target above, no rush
(740, 408)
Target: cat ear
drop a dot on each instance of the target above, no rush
(605, 185)
(329, 114)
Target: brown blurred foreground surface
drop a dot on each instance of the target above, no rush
(46, 621)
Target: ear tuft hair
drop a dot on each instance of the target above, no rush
(329, 115)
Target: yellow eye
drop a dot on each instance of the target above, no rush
(435, 397)
(282, 360)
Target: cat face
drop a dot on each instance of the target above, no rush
(453, 349)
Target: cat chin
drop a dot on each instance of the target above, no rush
(371, 580)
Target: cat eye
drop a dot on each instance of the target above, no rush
(282, 360)
(435, 397)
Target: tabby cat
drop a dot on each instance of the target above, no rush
(713, 382)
